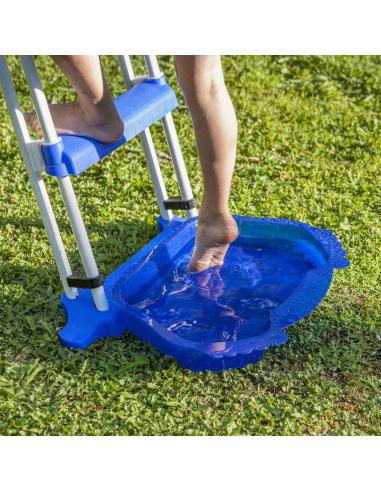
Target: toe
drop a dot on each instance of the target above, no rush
(199, 263)
(28, 118)
(35, 125)
(211, 257)
(32, 121)
(196, 265)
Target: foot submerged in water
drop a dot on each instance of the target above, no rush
(70, 119)
(214, 235)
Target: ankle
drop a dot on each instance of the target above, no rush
(212, 215)
(97, 114)
(218, 227)
(90, 113)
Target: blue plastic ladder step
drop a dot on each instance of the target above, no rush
(139, 107)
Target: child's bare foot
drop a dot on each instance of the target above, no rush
(70, 119)
(214, 235)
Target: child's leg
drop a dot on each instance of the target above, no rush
(201, 79)
(93, 114)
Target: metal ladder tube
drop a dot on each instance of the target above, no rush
(173, 142)
(148, 146)
(65, 185)
(36, 179)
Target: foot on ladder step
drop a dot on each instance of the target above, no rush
(138, 108)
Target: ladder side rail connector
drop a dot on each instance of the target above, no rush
(173, 142)
(148, 146)
(65, 185)
(37, 182)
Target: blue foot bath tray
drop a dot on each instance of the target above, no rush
(275, 274)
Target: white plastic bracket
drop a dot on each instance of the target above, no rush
(36, 159)
(139, 78)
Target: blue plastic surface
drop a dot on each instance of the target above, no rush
(52, 154)
(274, 275)
(139, 108)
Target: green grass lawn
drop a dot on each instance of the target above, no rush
(309, 149)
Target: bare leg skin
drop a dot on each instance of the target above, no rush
(93, 114)
(215, 125)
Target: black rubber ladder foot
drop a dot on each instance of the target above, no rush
(177, 203)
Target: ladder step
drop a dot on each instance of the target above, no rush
(139, 107)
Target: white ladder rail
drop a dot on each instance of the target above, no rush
(38, 185)
(173, 142)
(65, 185)
(148, 145)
